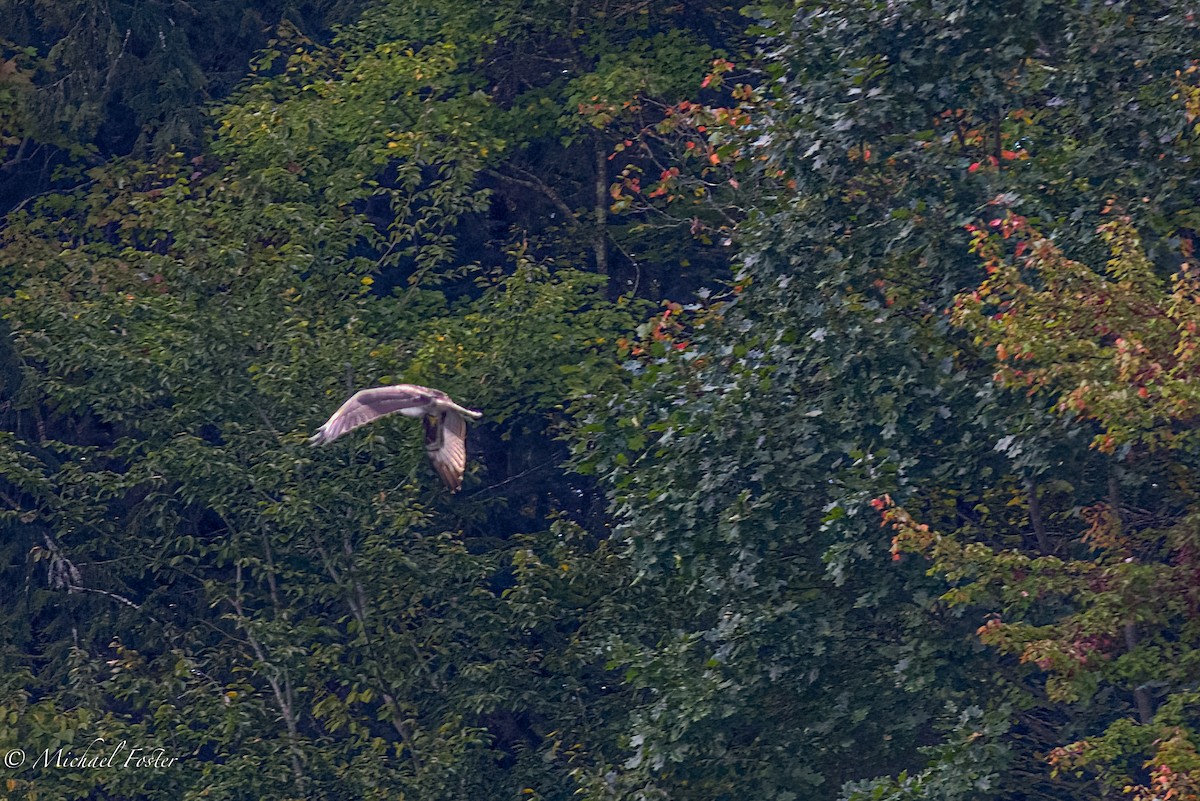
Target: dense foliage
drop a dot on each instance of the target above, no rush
(733, 285)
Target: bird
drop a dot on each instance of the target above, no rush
(445, 423)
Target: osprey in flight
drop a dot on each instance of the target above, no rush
(445, 423)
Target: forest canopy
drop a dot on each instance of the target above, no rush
(837, 363)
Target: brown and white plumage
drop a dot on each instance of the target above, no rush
(445, 423)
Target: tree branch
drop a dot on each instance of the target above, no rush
(531, 181)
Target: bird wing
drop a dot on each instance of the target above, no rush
(446, 444)
(368, 405)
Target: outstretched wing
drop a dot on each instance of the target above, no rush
(446, 444)
(371, 404)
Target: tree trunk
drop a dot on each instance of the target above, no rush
(600, 214)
